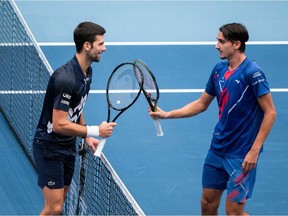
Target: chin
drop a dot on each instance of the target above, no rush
(97, 60)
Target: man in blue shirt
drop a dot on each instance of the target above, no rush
(62, 118)
(246, 116)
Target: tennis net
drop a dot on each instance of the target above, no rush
(96, 189)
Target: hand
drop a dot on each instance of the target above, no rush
(250, 161)
(106, 129)
(92, 143)
(157, 114)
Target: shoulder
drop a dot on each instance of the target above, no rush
(220, 65)
(252, 65)
(64, 74)
(253, 69)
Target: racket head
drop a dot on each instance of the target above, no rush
(150, 87)
(123, 87)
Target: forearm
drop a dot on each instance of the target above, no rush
(70, 128)
(188, 110)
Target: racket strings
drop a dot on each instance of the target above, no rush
(149, 85)
(123, 87)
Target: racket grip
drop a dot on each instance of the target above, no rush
(158, 127)
(100, 147)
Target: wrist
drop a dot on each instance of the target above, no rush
(255, 151)
(92, 131)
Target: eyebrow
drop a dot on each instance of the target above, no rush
(220, 39)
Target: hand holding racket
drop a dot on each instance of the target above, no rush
(123, 89)
(151, 91)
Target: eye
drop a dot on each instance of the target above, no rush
(222, 41)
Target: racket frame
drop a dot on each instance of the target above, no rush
(102, 142)
(151, 101)
(135, 99)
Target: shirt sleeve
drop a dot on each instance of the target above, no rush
(210, 85)
(257, 80)
(63, 89)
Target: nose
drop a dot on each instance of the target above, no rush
(104, 48)
(217, 45)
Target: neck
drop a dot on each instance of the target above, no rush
(235, 62)
(84, 64)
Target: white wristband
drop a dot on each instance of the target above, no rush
(92, 131)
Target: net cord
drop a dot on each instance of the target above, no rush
(126, 192)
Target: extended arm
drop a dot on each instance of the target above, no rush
(191, 109)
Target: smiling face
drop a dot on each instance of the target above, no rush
(95, 49)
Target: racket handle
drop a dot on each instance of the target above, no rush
(100, 147)
(158, 127)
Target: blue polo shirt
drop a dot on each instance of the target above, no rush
(240, 115)
(67, 90)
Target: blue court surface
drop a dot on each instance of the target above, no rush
(163, 173)
(18, 194)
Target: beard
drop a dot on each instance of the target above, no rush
(94, 58)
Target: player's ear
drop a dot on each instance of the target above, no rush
(237, 44)
(86, 46)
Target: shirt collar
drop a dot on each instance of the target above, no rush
(79, 73)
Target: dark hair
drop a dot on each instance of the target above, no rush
(235, 32)
(86, 32)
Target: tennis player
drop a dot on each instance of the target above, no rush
(62, 119)
(246, 115)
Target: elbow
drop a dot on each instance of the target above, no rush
(57, 128)
(202, 108)
(273, 115)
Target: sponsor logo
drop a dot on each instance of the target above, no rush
(75, 113)
(51, 183)
(65, 102)
(258, 81)
(66, 96)
(49, 127)
(257, 74)
(238, 81)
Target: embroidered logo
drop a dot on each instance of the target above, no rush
(51, 183)
(49, 127)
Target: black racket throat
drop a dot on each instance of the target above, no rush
(118, 114)
(152, 102)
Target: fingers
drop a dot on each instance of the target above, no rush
(156, 114)
(92, 143)
(112, 124)
(246, 166)
(250, 161)
(106, 129)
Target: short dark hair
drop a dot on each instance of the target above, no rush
(86, 32)
(235, 32)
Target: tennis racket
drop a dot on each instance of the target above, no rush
(123, 89)
(151, 91)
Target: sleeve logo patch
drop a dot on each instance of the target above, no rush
(67, 96)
